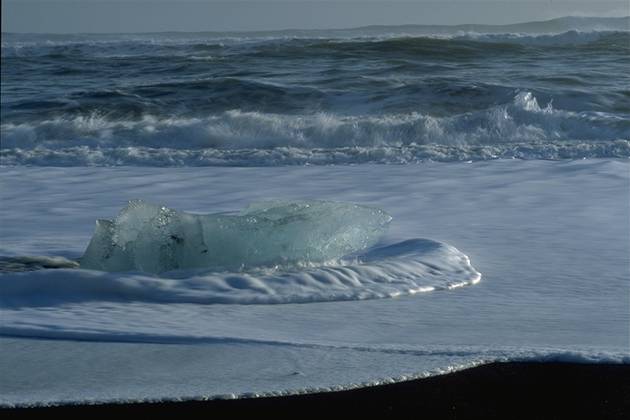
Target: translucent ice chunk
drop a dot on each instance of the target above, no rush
(155, 239)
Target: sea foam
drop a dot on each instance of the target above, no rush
(271, 252)
(522, 128)
(398, 269)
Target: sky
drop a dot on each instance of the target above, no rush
(82, 16)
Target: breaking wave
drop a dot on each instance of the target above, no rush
(522, 128)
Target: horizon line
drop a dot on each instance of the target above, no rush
(375, 26)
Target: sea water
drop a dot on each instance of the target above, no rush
(501, 154)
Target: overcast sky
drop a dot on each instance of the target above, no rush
(68, 16)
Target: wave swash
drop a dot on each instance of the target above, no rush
(272, 252)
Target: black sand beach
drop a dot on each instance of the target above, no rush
(497, 390)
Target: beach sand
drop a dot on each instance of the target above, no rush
(497, 390)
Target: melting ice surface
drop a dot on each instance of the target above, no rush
(155, 239)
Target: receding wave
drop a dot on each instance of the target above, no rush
(452, 359)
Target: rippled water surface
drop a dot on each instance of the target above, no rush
(557, 89)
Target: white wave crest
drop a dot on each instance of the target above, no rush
(522, 120)
(572, 37)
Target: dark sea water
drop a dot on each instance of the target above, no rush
(555, 89)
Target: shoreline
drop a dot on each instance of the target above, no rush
(495, 390)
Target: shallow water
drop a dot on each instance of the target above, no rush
(548, 237)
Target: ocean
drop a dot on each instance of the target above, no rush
(500, 152)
